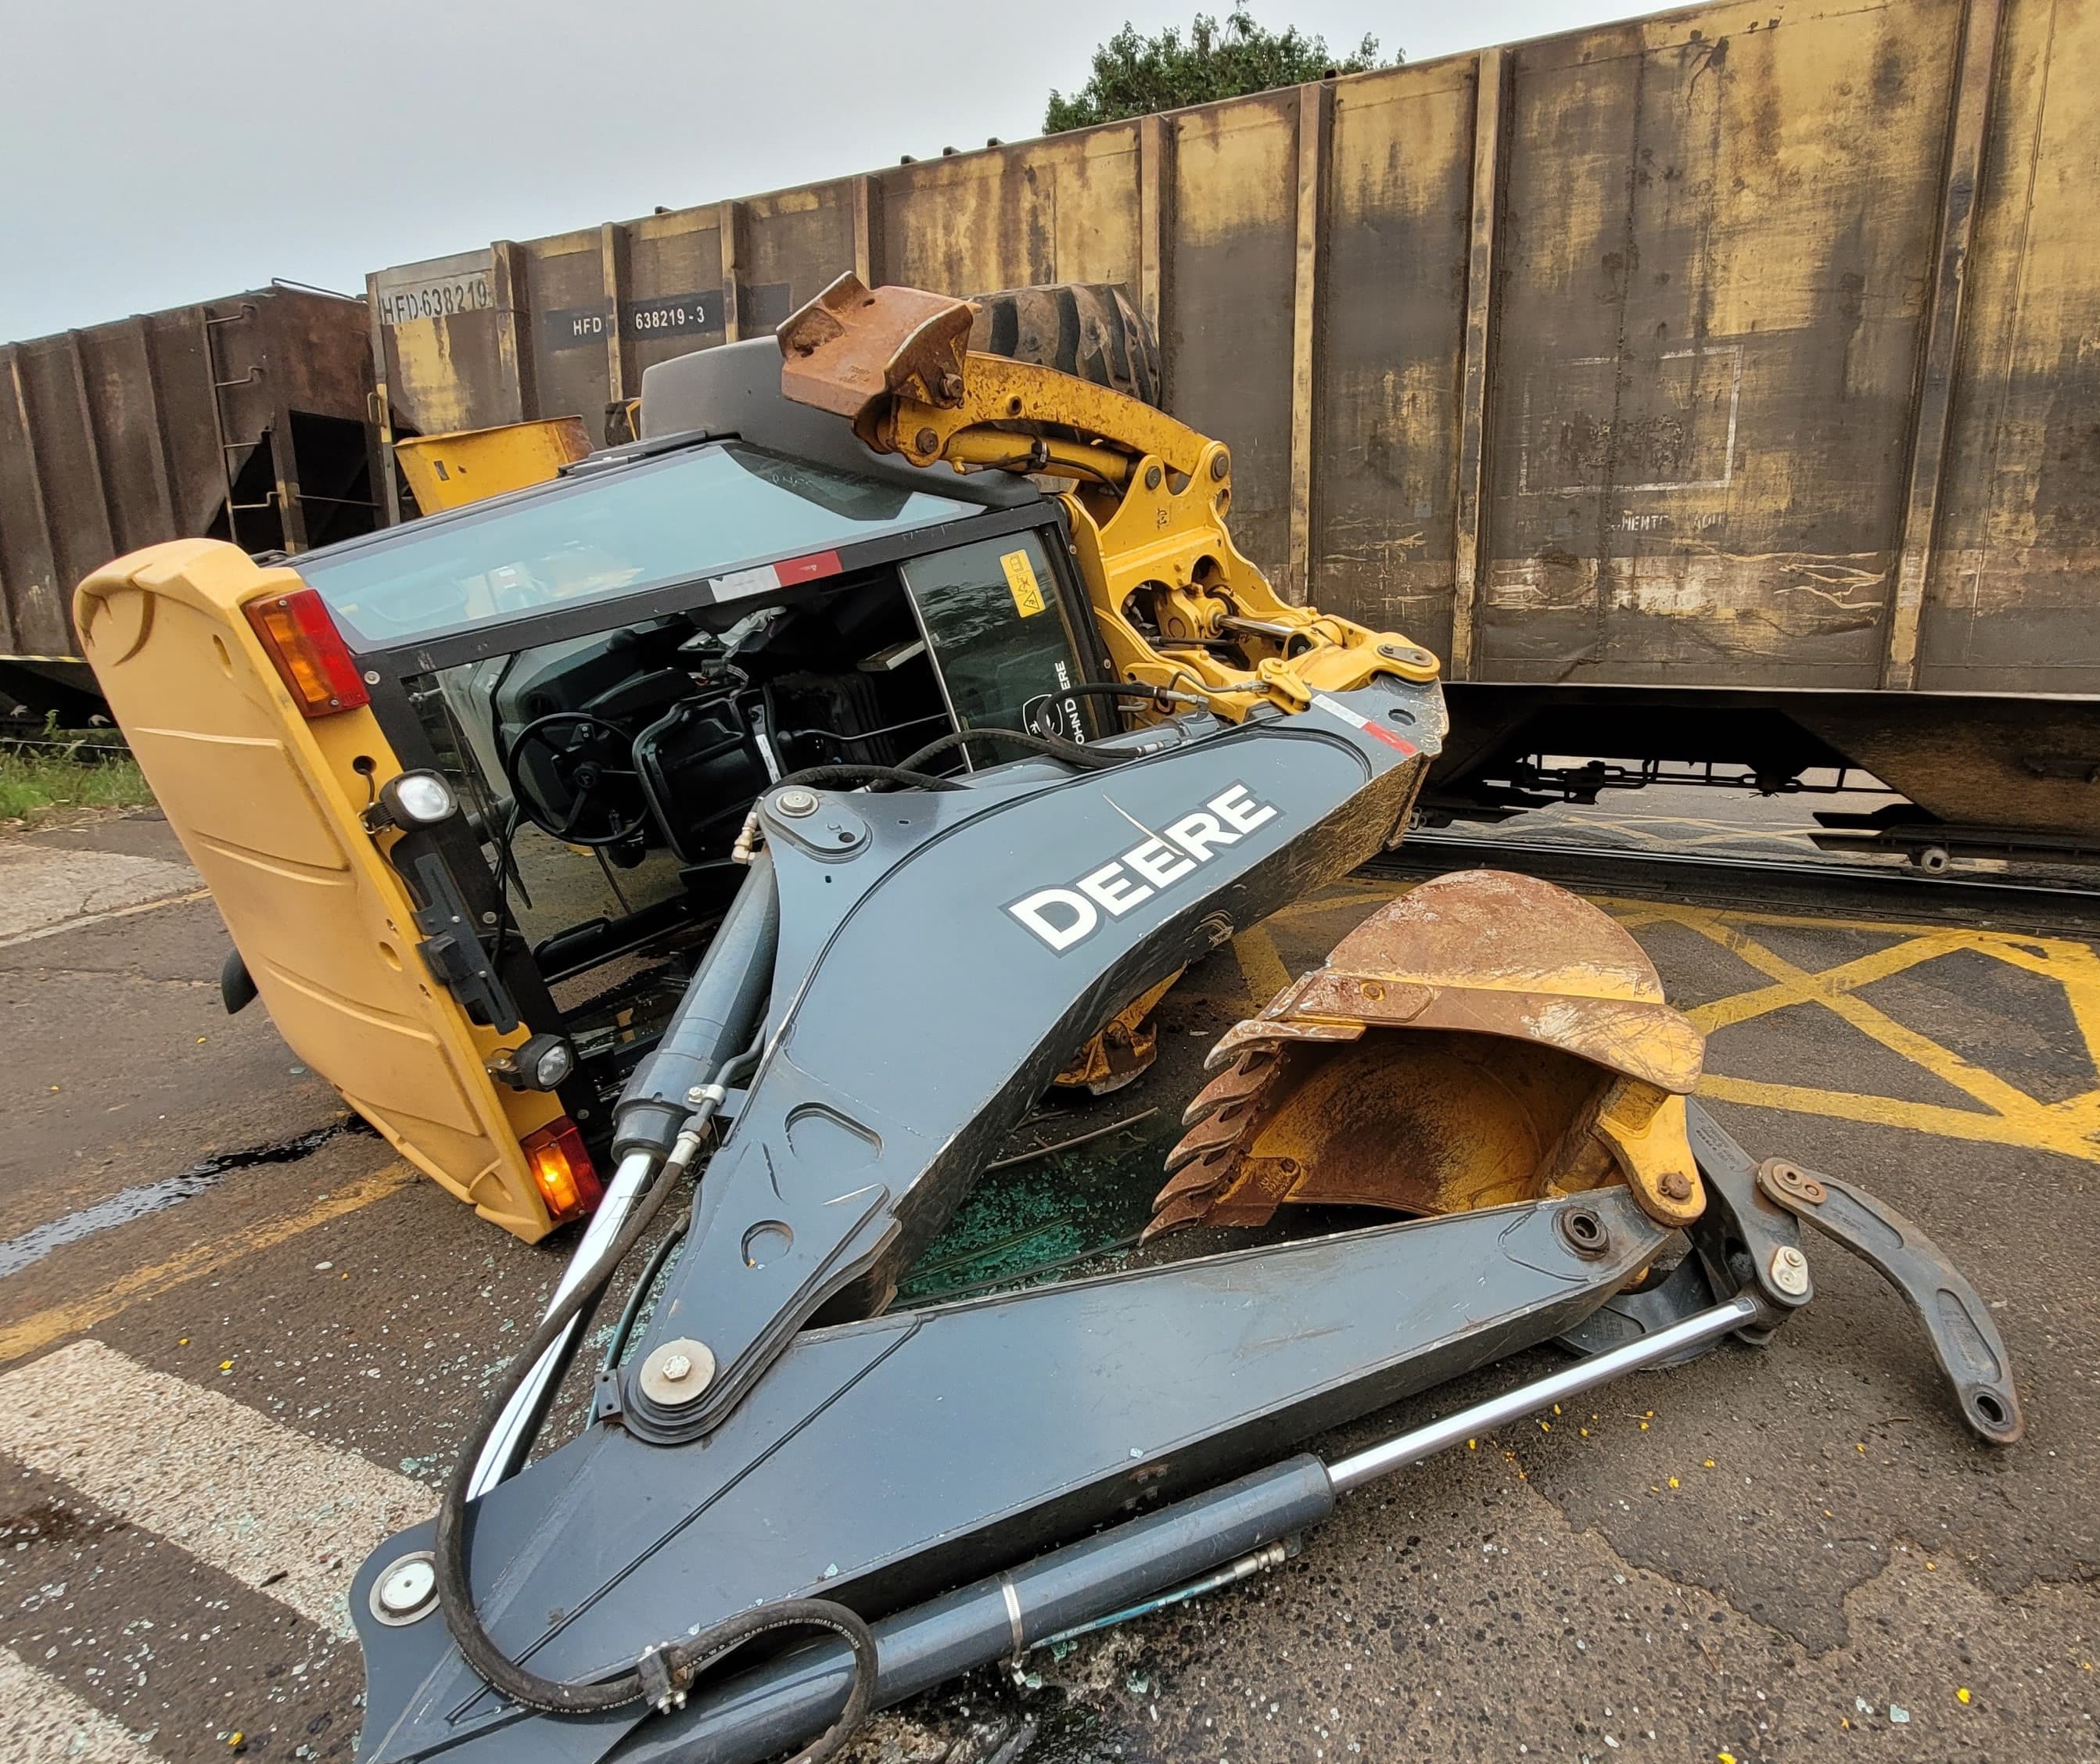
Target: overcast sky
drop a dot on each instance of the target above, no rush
(159, 151)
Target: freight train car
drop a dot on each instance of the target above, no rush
(1708, 389)
(1711, 390)
(245, 418)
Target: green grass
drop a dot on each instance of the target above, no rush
(57, 771)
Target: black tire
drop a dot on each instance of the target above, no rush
(1092, 330)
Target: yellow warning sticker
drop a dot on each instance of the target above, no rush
(1021, 580)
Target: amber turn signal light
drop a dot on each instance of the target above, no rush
(308, 651)
(562, 1169)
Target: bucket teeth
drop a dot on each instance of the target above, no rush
(1209, 1189)
(1201, 1174)
(1265, 1031)
(1221, 1114)
(1221, 1119)
(1216, 1133)
(1243, 1079)
(1486, 1039)
(1175, 1209)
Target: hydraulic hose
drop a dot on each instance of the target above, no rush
(845, 776)
(1087, 759)
(906, 774)
(1161, 696)
(663, 1673)
(645, 1283)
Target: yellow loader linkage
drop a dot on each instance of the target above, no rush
(1177, 604)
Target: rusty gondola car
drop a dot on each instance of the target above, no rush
(246, 418)
(1710, 387)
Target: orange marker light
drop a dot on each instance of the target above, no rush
(562, 1169)
(309, 653)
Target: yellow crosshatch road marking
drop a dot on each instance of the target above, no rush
(1260, 966)
(2009, 1116)
(2005, 1114)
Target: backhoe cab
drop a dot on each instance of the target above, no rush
(469, 792)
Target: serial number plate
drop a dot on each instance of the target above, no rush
(674, 315)
(435, 300)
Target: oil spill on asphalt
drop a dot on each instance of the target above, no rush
(128, 1204)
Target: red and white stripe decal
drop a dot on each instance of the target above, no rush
(766, 577)
(813, 568)
(1376, 731)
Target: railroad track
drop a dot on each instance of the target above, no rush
(1744, 880)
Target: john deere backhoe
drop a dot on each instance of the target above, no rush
(921, 777)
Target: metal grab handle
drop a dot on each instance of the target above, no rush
(1967, 1341)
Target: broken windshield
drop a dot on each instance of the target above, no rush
(691, 515)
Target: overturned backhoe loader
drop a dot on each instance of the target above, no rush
(907, 943)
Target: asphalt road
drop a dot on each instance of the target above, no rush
(221, 1381)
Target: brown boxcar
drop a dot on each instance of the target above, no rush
(1716, 385)
(247, 417)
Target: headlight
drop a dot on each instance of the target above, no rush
(418, 799)
(539, 1062)
(553, 1066)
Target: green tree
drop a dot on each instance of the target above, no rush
(1134, 75)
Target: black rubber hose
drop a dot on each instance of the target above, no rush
(845, 776)
(631, 1313)
(676, 1663)
(1117, 688)
(1087, 759)
(907, 773)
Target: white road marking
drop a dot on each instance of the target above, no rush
(65, 925)
(275, 1510)
(44, 888)
(43, 1723)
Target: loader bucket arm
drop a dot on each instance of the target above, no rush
(894, 362)
(1180, 608)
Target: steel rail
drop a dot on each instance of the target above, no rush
(1972, 888)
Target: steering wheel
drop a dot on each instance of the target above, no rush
(592, 760)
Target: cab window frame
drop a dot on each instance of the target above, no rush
(388, 668)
